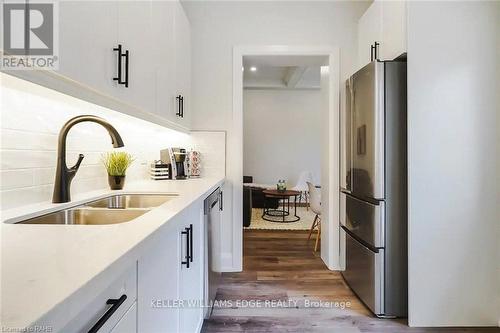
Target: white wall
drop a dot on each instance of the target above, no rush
(453, 108)
(31, 118)
(216, 27)
(282, 134)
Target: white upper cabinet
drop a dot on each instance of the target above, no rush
(171, 32)
(394, 38)
(369, 32)
(164, 59)
(156, 35)
(182, 51)
(383, 22)
(135, 34)
(88, 32)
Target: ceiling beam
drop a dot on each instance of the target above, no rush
(293, 76)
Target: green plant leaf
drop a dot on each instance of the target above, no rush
(117, 163)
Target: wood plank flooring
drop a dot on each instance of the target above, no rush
(280, 267)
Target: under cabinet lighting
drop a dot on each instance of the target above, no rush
(253, 69)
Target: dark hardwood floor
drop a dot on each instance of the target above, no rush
(280, 288)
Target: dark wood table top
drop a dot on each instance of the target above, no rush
(276, 193)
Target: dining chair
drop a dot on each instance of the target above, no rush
(315, 204)
(301, 186)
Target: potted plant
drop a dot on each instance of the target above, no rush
(116, 163)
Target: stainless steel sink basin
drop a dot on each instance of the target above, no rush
(114, 209)
(87, 216)
(126, 201)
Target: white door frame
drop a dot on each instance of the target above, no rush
(330, 249)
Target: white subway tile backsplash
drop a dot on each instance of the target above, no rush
(27, 140)
(10, 179)
(82, 185)
(22, 159)
(44, 176)
(212, 146)
(31, 118)
(25, 196)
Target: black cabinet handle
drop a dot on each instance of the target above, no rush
(115, 304)
(221, 201)
(191, 243)
(126, 68)
(178, 98)
(374, 51)
(121, 55)
(180, 106)
(188, 248)
(119, 50)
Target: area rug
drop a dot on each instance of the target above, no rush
(305, 222)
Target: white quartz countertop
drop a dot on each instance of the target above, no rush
(43, 265)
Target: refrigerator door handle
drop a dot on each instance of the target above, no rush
(351, 115)
(360, 241)
(345, 141)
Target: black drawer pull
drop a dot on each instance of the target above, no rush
(115, 304)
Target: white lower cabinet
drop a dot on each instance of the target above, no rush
(158, 282)
(108, 307)
(128, 323)
(163, 291)
(171, 276)
(192, 277)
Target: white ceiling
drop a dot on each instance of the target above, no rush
(282, 72)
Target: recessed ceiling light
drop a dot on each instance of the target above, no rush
(253, 69)
(242, 68)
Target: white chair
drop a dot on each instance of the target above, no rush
(315, 203)
(301, 186)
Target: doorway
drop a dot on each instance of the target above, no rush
(329, 57)
(282, 144)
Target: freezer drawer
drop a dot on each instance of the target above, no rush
(364, 219)
(364, 273)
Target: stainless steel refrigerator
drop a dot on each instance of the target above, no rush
(374, 187)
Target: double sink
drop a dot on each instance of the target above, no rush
(109, 210)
